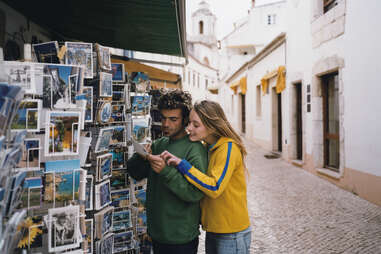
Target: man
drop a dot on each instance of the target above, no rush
(173, 211)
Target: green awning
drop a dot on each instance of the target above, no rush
(156, 26)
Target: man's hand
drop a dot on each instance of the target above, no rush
(156, 162)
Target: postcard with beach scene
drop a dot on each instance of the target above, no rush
(27, 116)
(122, 220)
(140, 104)
(62, 180)
(63, 135)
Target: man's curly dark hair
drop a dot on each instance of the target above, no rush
(175, 99)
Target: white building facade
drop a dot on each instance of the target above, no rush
(324, 120)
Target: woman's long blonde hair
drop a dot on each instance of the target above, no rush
(213, 117)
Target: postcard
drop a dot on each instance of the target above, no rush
(141, 82)
(88, 92)
(30, 160)
(46, 52)
(118, 113)
(139, 149)
(105, 84)
(89, 193)
(104, 112)
(80, 53)
(89, 235)
(117, 70)
(62, 180)
(140, 129)
(120, 198)
(140, 104)
(20, 74)
(63, 230)
(119, 179)
(118, 92)
(102, 195)
(106, 245)
(32, 195)
(141, 223)
(14, 194)
(62, 133)
(104, 57)
(104, 139)
(119, 135)
(123, 241)
(104, 166)
(122, 220)
(27, 116)
(118, 158)
(103, 221)
(61, 84)
(140, 196)
(62, 186)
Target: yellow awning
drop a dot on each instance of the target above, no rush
(281, 79)
(242, 84)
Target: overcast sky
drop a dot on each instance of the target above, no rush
(226, 11)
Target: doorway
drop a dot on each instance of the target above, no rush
(331, 121)
(299, 121)
(277, 121)
(243, 113)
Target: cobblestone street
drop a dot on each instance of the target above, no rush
(293, 211)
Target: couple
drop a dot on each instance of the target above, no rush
(180, 180)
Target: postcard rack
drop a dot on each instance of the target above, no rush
(64, 148)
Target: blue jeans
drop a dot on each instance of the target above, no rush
(232, 243)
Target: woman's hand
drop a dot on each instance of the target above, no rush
(170, 159)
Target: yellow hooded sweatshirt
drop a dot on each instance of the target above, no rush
(224, 208)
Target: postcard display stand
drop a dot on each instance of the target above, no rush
(66, 126)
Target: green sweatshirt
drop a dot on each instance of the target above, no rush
(173, 209)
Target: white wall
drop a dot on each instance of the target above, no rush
(261, 127)
(198, 88)
(362, 85)
(300, 59)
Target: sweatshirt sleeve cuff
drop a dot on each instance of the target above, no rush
(184, 166)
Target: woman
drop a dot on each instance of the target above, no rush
(224, 214)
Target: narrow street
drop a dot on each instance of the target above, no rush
(293, 211)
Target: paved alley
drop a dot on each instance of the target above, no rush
(293, 211)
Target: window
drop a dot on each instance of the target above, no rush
(206, 83)
(194, 79)
(271, 18)
(198, 80)
(189, 77)
(259, 101)
(201, 27)
(329, 4)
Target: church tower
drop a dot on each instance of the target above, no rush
(203, 35)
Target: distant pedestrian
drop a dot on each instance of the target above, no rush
(224, 213)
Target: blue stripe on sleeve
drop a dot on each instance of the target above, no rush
(184, 166)
(210, 187)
